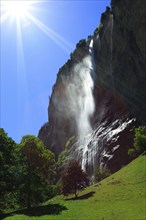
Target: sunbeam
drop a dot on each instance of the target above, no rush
(17, 9)
(21, 76)
(20, 13)
(4, 17)
(60, 41)
(22, 10)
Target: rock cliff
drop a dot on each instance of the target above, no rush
(100, 93)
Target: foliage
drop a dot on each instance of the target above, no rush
(57, 187)
(73, 179)
(82, 43)
(7, 175)
(61, 163)
(70, 142)
(131, 152)
(27, 171)
(36, 167)
(140, 139)
(101, 173)
(63, 157)
(98, 29)
(120, 196)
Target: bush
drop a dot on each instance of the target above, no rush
(131, 152)
(140, 139)
(82, 43)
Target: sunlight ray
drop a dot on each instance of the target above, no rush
(4, 17)
(21, 70)
(22, 86)
(21, 10)
(60, 41)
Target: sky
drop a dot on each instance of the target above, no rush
(34, 44)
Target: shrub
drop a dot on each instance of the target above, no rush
(140, 139)
(81, 43)
(131, 152)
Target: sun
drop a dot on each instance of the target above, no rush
(16, 8)
(22, 14)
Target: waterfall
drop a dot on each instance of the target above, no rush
(85, 139)
(82, 106)
(81, 103)
(86, 100)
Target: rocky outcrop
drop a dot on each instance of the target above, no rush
(119, 76)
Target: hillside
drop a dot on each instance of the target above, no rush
(120, 196)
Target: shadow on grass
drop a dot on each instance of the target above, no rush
(51, 209)
(85, 196)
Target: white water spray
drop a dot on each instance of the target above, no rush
(85, 138)
(82, 106)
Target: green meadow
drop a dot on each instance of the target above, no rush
(122, 196)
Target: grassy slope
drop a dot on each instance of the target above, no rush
(119, 197)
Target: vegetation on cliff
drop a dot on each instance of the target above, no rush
(139, 142)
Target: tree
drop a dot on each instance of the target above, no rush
(140, 139)
(7, 162)
(36, 168)
(73, 179)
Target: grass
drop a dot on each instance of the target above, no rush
(122, 196)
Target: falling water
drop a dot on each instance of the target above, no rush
(87, 100)
(85, 139)
(87, 145)
(83, 106)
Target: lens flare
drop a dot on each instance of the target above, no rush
(17, 9)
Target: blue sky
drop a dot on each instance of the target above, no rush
(31, 55)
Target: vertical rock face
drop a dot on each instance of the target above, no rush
(99, 95)
(129, 54)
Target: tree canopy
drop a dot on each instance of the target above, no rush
(7, 176)
(140, 139)
(73, 179)
(27, 171)
(37, 169)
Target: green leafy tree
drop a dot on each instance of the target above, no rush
(36, 169)
(140, 139)
(7, 174)
(73, 179)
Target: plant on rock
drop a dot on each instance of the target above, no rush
(140, 139)
(139, 142)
